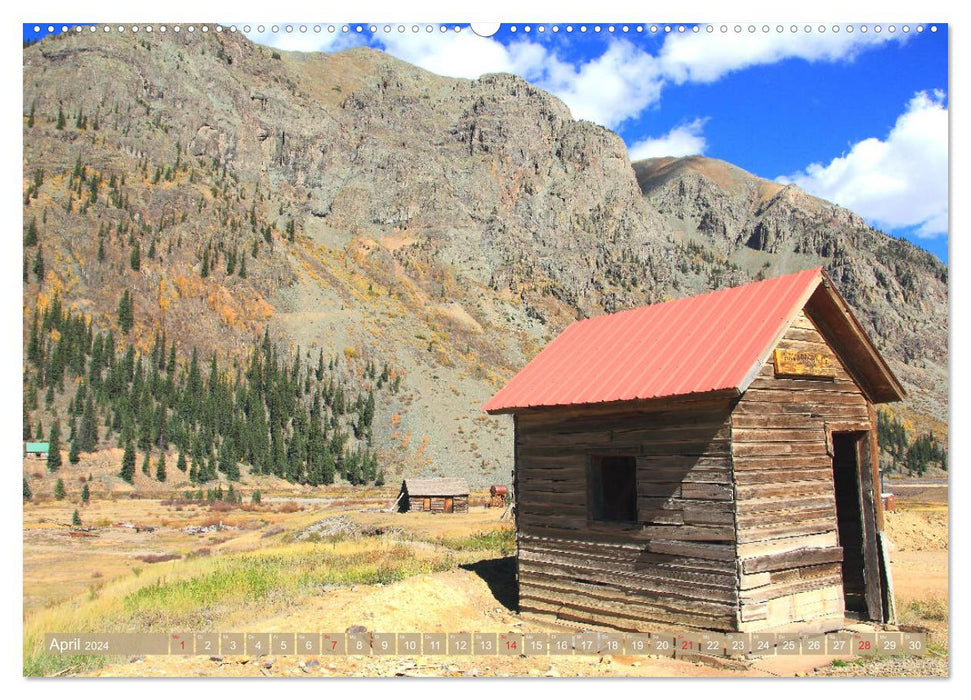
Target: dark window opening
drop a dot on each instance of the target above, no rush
(613, 489)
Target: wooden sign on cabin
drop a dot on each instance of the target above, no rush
(801, 363)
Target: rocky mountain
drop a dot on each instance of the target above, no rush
(898, 291)
(385, 214)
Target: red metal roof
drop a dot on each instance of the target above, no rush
(701, 344)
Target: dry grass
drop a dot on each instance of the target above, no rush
(232, 579)
(200, 592)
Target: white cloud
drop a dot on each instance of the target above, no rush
(456, 55)
(683, 140)
(609, 89)
(899, 182)
(704, 57)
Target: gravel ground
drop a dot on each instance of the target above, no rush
(896, 666)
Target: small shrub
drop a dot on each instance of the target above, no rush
(158, 558)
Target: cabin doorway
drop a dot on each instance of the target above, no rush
(856, 520)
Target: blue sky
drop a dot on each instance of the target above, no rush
(856, 117)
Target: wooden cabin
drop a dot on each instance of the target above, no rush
(434, 495)
(708, 462)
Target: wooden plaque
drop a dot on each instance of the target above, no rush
(800, 363)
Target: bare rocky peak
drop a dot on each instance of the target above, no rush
(898, 290)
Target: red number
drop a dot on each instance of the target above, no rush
(864, 644)
(333, 645)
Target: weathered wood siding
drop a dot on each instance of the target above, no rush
(436, 504)
(788, 547)
(677, 566)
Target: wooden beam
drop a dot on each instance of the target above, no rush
(875, 464)
(871, 544)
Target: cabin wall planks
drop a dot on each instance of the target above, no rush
(786, 508)
(737, 523)
(676, 566)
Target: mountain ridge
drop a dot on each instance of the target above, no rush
(385, 213)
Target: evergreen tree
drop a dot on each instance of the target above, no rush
(227, 461)
(31, 238)
(147, 464)
(128, 463)
(60, 120)
(367, 416)
(59, 492)
(74, 454)
(135, 259)
(38, 267)
(54, 447)
(89, 427)
(76, 519)
(160, 467)
(181, 463)
(126, 312)
(85, 494)
(27, 492)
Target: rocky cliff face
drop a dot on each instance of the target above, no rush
(450, 226)
(898, 291)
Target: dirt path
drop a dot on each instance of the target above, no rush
(920, 575)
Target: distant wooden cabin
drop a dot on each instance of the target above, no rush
(37, 450)
(709, 462)
(434, 495)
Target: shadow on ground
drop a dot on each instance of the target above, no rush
(500, 576)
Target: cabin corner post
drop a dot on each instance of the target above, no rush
(515, 498)
(875, 464)
(733, 482)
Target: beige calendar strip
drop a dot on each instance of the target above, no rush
(682, 645)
